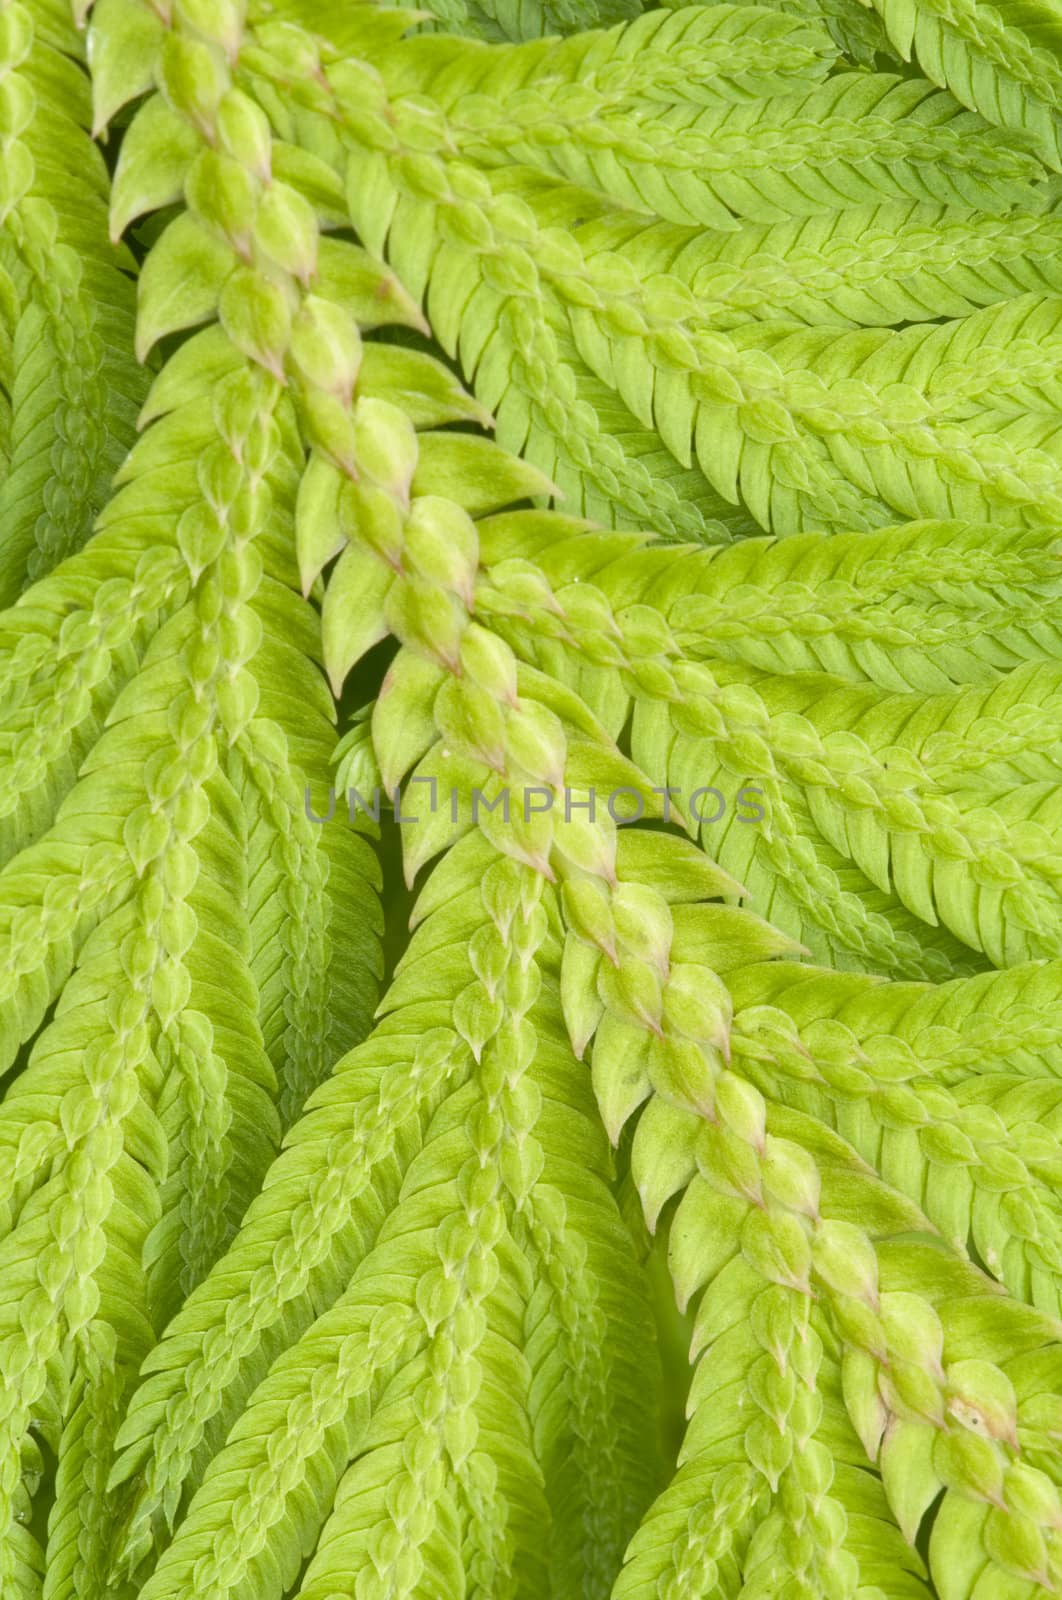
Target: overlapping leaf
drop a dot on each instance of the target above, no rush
(711, 273)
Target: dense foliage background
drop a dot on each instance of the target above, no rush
(530, 732)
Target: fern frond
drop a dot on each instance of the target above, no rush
(765, 407)
(431, 1275)
(313, 968)
(818, 1300)
(481, 19)
(323, 1201)
(810, 869)
(91, 623)
(762, 407)
(919, 607)
(911, 1078)
(730, 750)
(864, 138)
(607, 465)
(717, 56)
(857, 30)
(139, 1129)
(73, 389)
(302, 1305)
(165, 1453)
(1000, 59)
(747, 1512)
(78, 1524)
(130, 1062)
(864, 266)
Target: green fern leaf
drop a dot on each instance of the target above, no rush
(494, 20)
(865, 266)
(858, 31)
(431, 1102)
(999, 59)
(304, 1297)
(878, 785)
(764, 423)
(920, 1097)
(72, 387)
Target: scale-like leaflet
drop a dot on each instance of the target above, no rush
(448, 1184)
(69, 386)
(943, 802)
(868, 265)
(914, 1079)
(706, 279)
(1001, 59)
(808, 427)
(479, 19)
(834, 1325)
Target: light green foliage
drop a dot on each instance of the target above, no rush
(641, 447)
(69, 388)
(908, 787)
(541, 289)
(1002, 60)
(494, 20)
(857, 29)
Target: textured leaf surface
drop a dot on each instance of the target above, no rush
(71, 385)
(643, 444)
